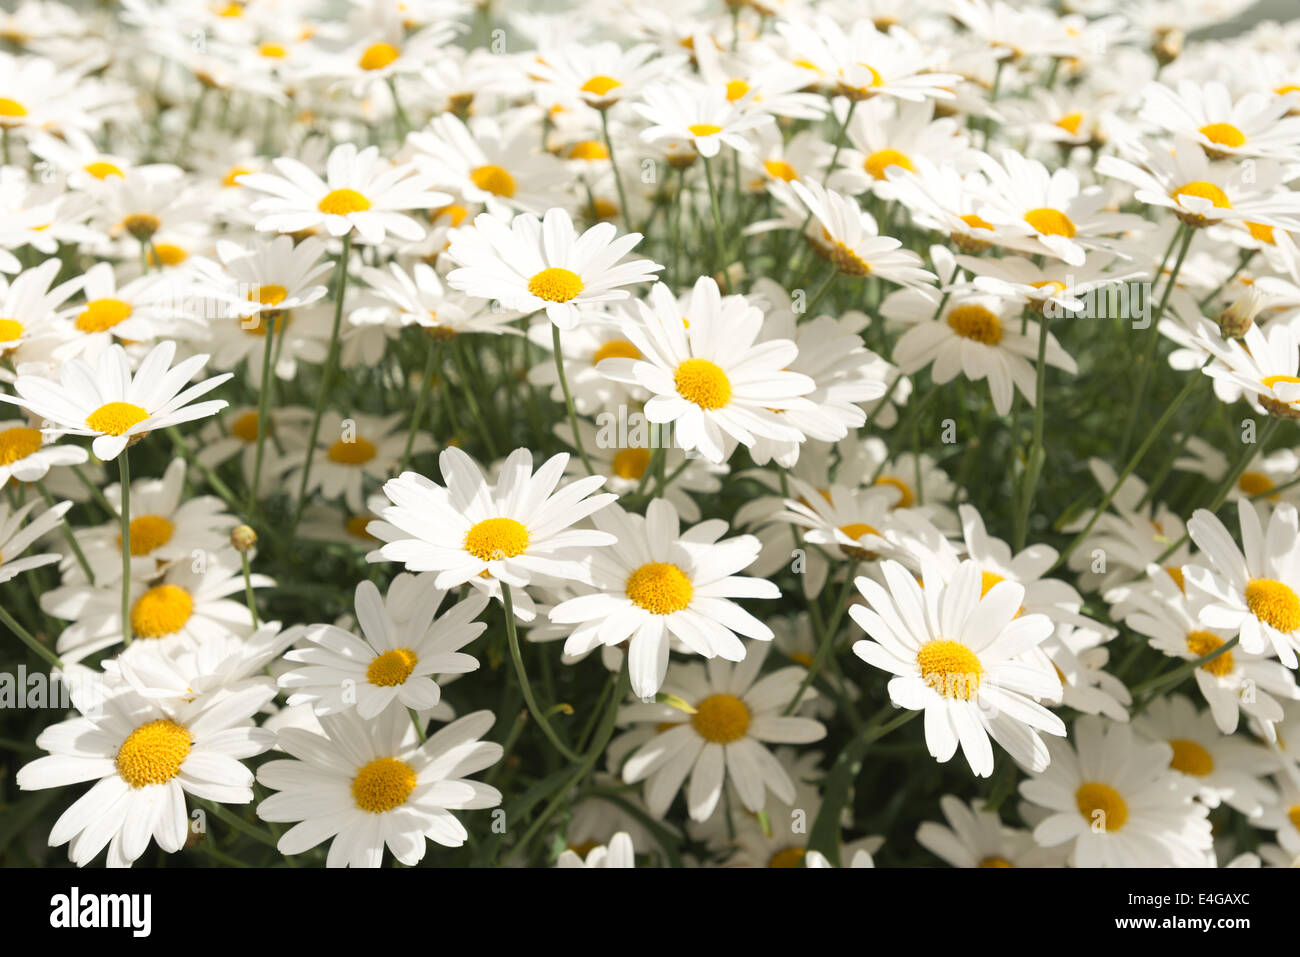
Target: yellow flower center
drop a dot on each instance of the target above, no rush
(245, 427)
(392, 667)
(1272, 380)
(1255, 483)
(153, 753)
(702, 382)
(116, 418)
(1261, 233)
(168, 254)
(274, 51)
(1224, 134)
(235, 172)
(1176, 573)
(11, 108)
(615, 349)
(660, 588)
(1050, 222)
(356, 452)
(17, 443)
(1202, 643)
(142, 225)
(341, 202)
(906, 498)
(721, 718)
(630, 463)
(149, 532)
(1273, 602)
(496, 538)
(780, 169)
(356, 526)
(1293, 815)
(1204, 190)
(555, 284)
(977, 323)
(847, 261)
(790, 857)
(161, 611)
(600, 85)
(100, 315)
(591, 150)
(102, 169)
(1071, 122)
(704, 129)
(1190, 758)
(1102, 805)
(736, 90)
(269, 295)
(995, 862)
(950, 668)
(878, 162)
(495, 179)
(378, 55)
(988, 580)
(976, 222)
(383, 784)
(11, 330)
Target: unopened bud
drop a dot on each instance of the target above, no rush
(1168, 45)
(1235, 321)
(243, 538)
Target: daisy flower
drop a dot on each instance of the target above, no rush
(263, 280)
(703, 116)
(28, 454)
(531, 265)
(14, 538)
(360, 192)
(395, 661)
(28, 304)
(1252, 590)
(366, 447)
(707, 373)
(1256, 124)
(473, 531)
(885, 135)
(138, 311)
(734, 715)
(144, 756)
(420, 298)
(976, 837)
(1115, 802)
(367, 785)
(105, 400)
(1264, 366)
(599, 75)
(961, 657)
(657, 582)
(619, 853)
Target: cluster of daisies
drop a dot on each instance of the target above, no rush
(446, 431)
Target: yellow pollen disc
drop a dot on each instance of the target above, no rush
(1053, 286)
(583, 849)
(494, 179)
(950, 668)
(790, 857)
(273, 51)
(906, 498)
(702, 382)
(383, 784)
(161, 611)
(340, 202)
(1273, 602)
(454, 213)
(245, 427)
(977, 323)
(10, 330)
(116, 418)
(1224, 134)
(17, 443)
(378, 55)
(1190, 758)
(103, 170)
(153, 753)
(1102, 805)
(600, 85)
(616, 349)
(976, 222)
(802, 658)
(1202, 643)
(1177, 575)
(1272, 380)
(1255, 483)
(100, 315)
(271, 295)
(880, 161)
(995, 862)
(1050, 222)
(1294, 816)
(604, 209)
(1071, 122)
(660, 588)
(496, 538)
(392, 667)
(149, 532)
(235, 172)
(1288, 88)
(12, 108)
(780, 169)
(273, 319)
(555, 284)
(356, 452)
(704, 129)
(356, 526)
(589, 150)
(856, 530)
(231, 10)
(736, 89)
(988, 580)
(168, 254)
(631, 463)
(1204, 190)
(847, 261)
(1261, 233)
(721, 718)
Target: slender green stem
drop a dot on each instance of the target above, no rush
(516, 656)
(30, 640)
(840, 135)
(124, 471)
(568, 398)
(432, 363)
(618, 177)
(827, 639)
(720, 241)
(70, 538)
(1178, 674)
(248, 589)
(471, 396)
(1034, 460)
(419, 725)
(263, 408)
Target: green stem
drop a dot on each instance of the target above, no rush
(124, 471)
(30, 640)
(720, 242)
(568, 398)
(516, 656)
(67, 532)
(827, 638)
(618, 177)
(248, 589)
(432, 363)
(1034, 460)
(263, 411)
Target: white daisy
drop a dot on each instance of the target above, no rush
(619, 853)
